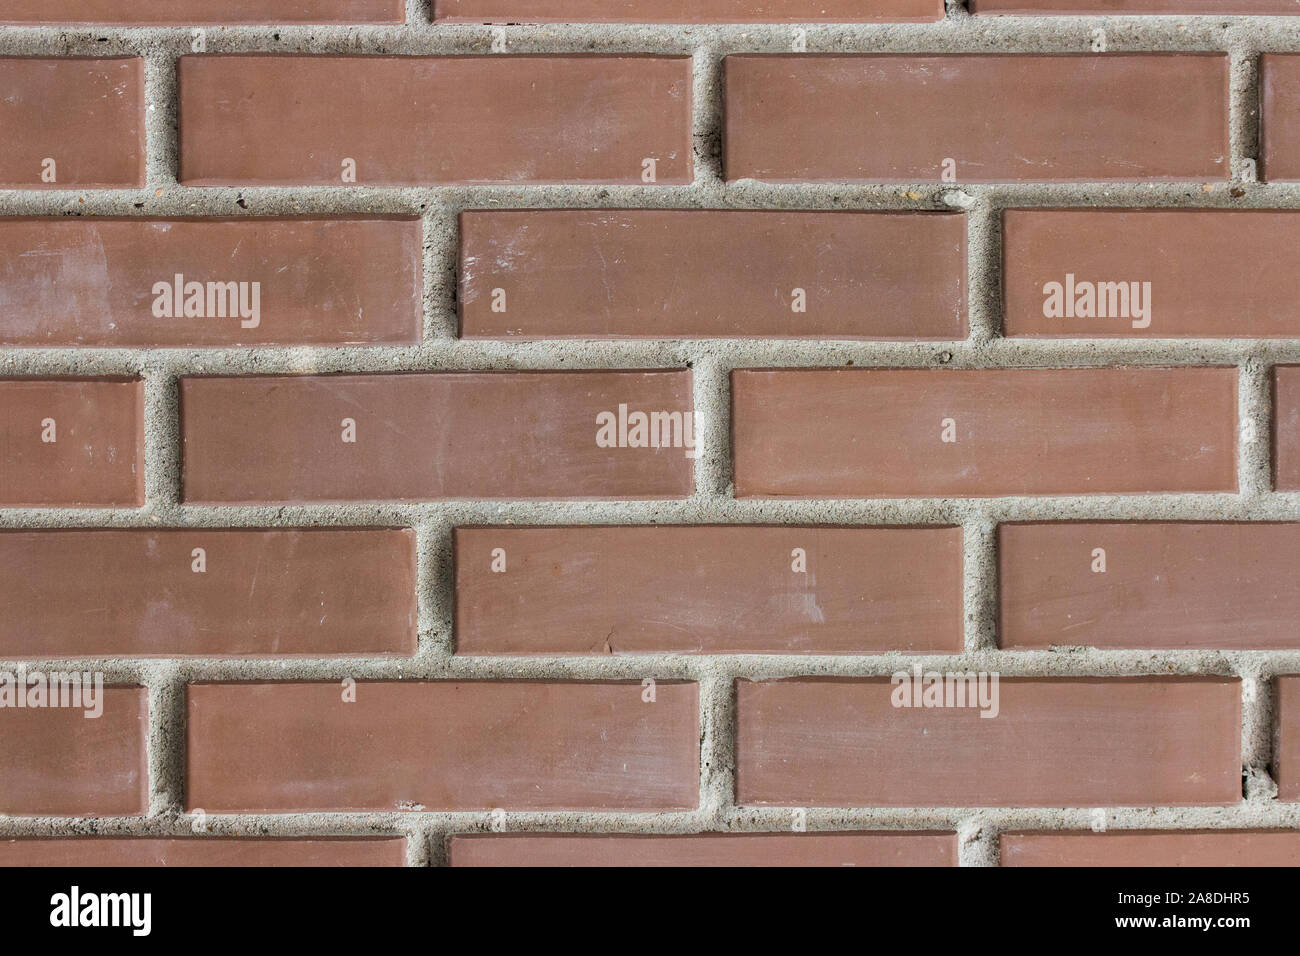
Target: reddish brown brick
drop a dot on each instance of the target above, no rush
(142, 593)
(67, 442)
(1061, 742)
(294, 120)
(1286, 756)
(162, 12)
(709, 589)
(1146, 584)
(1151, 273)
(113, 282)
(1153, 848)
(655, 273)
(203, 851)
(85, 115)
(705, 849)
(521, 745)
(1286, 427)
(1279, 91)
(685, 11)
(63, 761)
(846, 433)
(424, 436)
(999, 118)
(1273, 8)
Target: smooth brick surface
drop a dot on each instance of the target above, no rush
(619, 590)
(318, 282)
(137, 593)
(1286, 427)
(707, 849)
(897, 118)
(292, 120)
(203, 851)
(1165, 585)
(1279, 103)
(1272, 8)
(1153, 848)
(846, 433)
(1286, 755)
(685, 11)
(674, 273)
(59, 762)
(424, 436)
(97, 455)
(522, 745)
(1067, 742)
(85, 114)
(1211, 273)
(141, 12)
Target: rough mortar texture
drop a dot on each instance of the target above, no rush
(1243, 38)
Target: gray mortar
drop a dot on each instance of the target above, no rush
(711, 362)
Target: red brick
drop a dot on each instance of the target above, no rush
(68, 442)
(1203, 268)
(1220, 8)
(1167, 586)
(136, 593)
(1286, 427)
(1279, 93)
(861, 433)
(87, 115)
(708, 589)
(1286, 756)
(706, 849)
(1056, 742)
(1001, 118)
(655, 273)
(58, 761)
(317, 282)
(521, 745)
(422, 436)
(162, 12)
(1153, 848)
(203, 851)
(293, 120)
(685, 11)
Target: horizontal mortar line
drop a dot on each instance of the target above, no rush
(695, 668)
(572, 354)
(1269, 506)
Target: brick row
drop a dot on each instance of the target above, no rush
(685, 11)
(203, 851)
(1272, 8)
(165, 12)
(1152, 848)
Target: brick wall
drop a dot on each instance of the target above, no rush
(324, 329)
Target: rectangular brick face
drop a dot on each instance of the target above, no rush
(199, 592)
(161, 12)
(205, 851)
(685, 11)
(1279, 101)
(670, 273)
(522, 745)
(1153, 848)
(297, 120)
(997, 118)
(58, 761)
(858, 433)
(221, 282)
(1054, 742)
(442, 435)
(1273, 8)
(1286, 427)
(1286, 754)
(1150, 273)
(730, 849)
(71, 442)
(1149, 585)
(787, 590)
(71, 122)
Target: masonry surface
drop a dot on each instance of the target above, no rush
(1219, 461)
